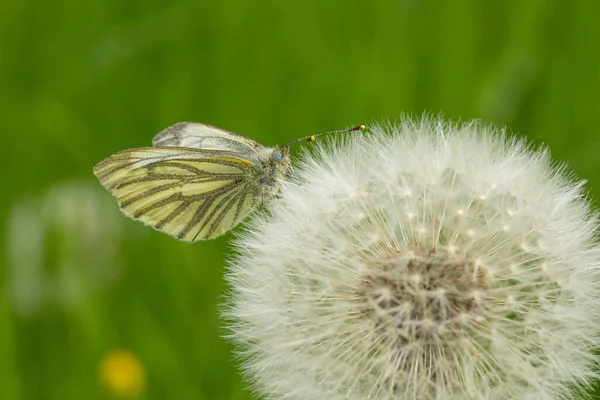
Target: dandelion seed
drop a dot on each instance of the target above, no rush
(472, 272)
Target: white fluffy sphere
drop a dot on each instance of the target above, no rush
(420, 261)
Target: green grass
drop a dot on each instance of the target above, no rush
(82, 80)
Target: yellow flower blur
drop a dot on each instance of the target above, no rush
(122, 374)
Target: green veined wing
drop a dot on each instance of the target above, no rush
(206, 137)
(187, 193)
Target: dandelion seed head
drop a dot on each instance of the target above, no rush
(421, 261)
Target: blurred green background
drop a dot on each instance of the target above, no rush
(82, 80)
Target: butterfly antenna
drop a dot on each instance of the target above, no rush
(312, 138)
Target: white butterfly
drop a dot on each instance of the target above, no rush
(198, 181)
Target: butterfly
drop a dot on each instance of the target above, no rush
(197, 181)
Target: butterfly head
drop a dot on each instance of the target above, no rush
(278, 155)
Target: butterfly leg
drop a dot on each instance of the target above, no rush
(261, 204)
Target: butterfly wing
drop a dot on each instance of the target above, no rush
(187, 193)
(206, 137)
